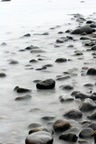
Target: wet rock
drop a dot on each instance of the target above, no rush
(61, 125)
(88, 105)
(60, 32)
(34, 125)
(48, 65)
(3, 44)
(14, 62)
(93, 25)
(86, 133)
(48, 118)
(46, 84)
(93, 125)
(89, 43)
(70, 137)
(60, 60)
(87, 29)
(93, 47)
(33, 61)
(74, 93)
(40, 137)
(83, 142)
(27, 35)
(92, 116)
(26, 97)
(84, 38)
(63, 78)
(88, 85)
(71, 46)
(42, 128)
(21, 90)
(59, 41)
(91, 71)
(28, 48)
(37, 51)
(78, 53)
(63, 99)
(2, 75)
(89, 22)
(5, 0)
(42, 68)
(73, 114)
(81, 96)
(67, 31)
(45, 33)
(67, 87)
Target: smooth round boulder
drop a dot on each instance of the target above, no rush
(87, 105)
(40, 137)
(70, 137)
(86, 133)
(61, 125)
(91, 71)
(46, 84)
(93, 126)
(73, 114)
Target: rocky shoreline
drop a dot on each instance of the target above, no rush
(51, 82)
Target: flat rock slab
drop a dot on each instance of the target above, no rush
(46, 84)
(40, 137)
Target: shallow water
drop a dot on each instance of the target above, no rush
(17, 18)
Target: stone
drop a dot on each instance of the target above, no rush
(93, 47)
(92, 116)
(92, 125)
(86, 133)
(26, 97)
(34, 125)
(27, 35)
(48, 118)
(40, 137)
(87, 29)
(73, 114)
(21, 90)
(87, 105)
(67, 87)
(81, 96)
(63, 78)
(13, 62)
(60, 60)
(33, 61)
(2, 75)
(46, 84)
(61, 125)
(70, 137)
(91, 71)
(63, 99)
(83, 142)
(5, 0)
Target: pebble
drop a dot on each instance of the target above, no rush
(46, 84)
(70, 137)
(73, 114)
(86, 133)
(21, 90)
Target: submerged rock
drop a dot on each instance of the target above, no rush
(46, 84)
(70, 137)
(21, 90)
(73, 114)
(26, 97)
(61, 125)
(40, 137)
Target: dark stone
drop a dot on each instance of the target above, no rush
(48, 65)
(78, 53)
(46, 84)
(27, 35)
(42, 68)
(34, 125)
(81, 96)
(89, 43)
(86, 133)
(60, 60)
(5, 0)
(60, 32)
(59, 41)
(48, 118)
(87, 29)
(87, 105)
(63, 99)
(61, 125)
(26, 97)
(89, 22)
(63, 78)
(91, 71)
(70, 137)
(74, 93)
(67, 31)
(88, 85)
(21, 90)
(93, 25)
(13, 62)
(33, 61)
(2, 75)
(84, 38)
(83, 142)
(92, 116)
(93, 126)
(67, 87)
(46, 33)
(93, 47)
(73, 114)
(40, 137)
(28, 48)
